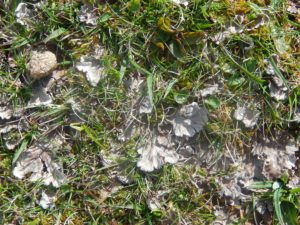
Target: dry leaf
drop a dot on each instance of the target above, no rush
(156, 152)
(247, 116)
(189, 120)
(92, 68)
(38, 161)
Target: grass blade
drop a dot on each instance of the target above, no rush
(19, 151)
(149, 78)
(249, 74)
(56, 33)
(261, 185)
(277, 205)
(290, 213)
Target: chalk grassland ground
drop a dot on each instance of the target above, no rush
(179, 50)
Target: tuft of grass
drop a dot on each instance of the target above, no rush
(170, 46)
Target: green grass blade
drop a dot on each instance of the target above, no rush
(294, 190)
(54, 34)
(149, 78)
(277, 71)
(249, 74)
(290, 213)
(277, 205)
(169, 87)
(19, 151)
(261, 185)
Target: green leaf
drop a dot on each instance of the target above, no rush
(55, 34)
(181, 97)
(169, 87)
(294, 190)
(91, 134)
(290, 213)
(204, 25)
(277, 205)
(134, 5)
(175, 50)
(251, 65)
(34, 222)
(248, 73)
(276, 4)
(192, 38)
(213, 102)
(277, 71)
(261, 185)
(105, 17)
(235, 81)
(64, 63)
(19, 42)
(165, 25)
(77, 126)
(122, 73)
(19, 151)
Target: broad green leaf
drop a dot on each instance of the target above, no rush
(181, 97)
(235, 81)
(192, 38)
(290, 213)
(165, 25)
(174, 48)
(294, 190)
(213, 102)
(54, 34)
(200, 26)
(134, 5)
(105, 17)
(251, 65)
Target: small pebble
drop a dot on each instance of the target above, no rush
(41, 64)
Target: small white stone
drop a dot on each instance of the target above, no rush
(41, 64)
